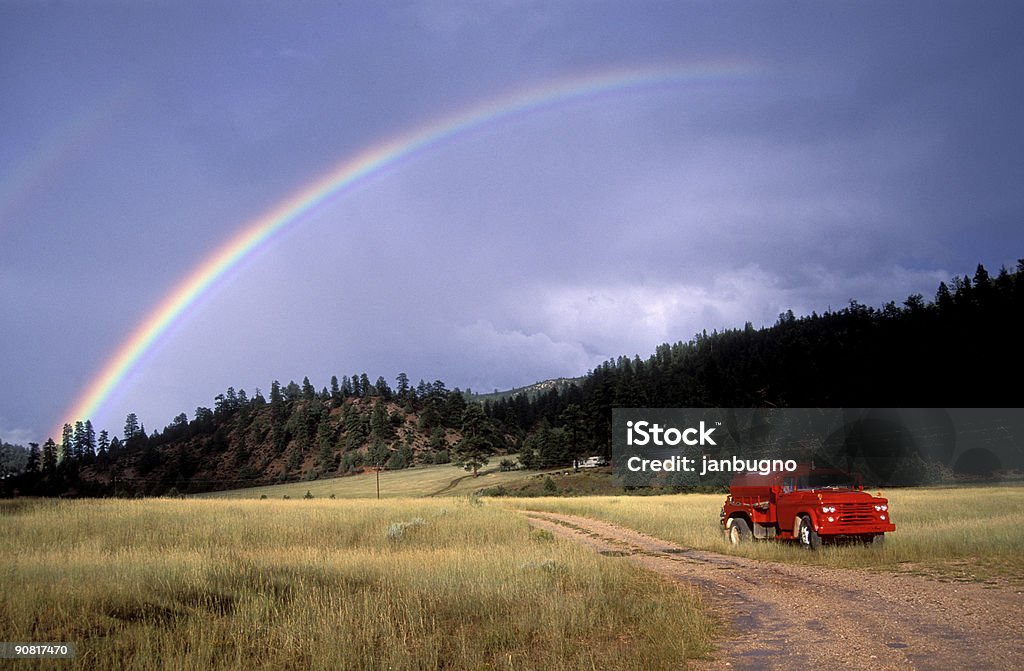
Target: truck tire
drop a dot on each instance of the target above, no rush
(808, 537)
(877, 541)
(739, 531)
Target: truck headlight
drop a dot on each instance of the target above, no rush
(885, 507)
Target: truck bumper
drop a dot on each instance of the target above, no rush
(825, 528)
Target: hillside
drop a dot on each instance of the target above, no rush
(558, 384)
(955, 351)
(298, 435)
(950, 352)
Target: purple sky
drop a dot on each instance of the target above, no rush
(868, 151)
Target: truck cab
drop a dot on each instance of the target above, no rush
(809, 505)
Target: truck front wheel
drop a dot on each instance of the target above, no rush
(809, 538)
(739, 531)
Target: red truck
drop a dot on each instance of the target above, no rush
(808, 505)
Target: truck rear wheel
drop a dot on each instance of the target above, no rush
(809, 538)
(739, 531)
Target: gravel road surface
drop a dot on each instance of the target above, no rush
(786, 616)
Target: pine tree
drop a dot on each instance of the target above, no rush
(982, 286)
(325, 439)
(336, 397)
(50, 455)
(573, 421)
(380, 426)
(89, 442)
(437, 440)
(471, 452)
(455, 407)
(378, 453)
(131, 426)
(32, 465)
(67, 444)
(79, 441)
(943, 299)
(402, 382)
(103, 446)
(382, 388)
(114, 450)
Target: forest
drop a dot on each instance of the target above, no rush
(961, 349)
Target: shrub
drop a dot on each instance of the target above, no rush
(396, 531)
(542, 535)
(400, 458)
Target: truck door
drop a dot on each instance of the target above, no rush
(785, 504)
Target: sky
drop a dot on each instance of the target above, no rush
(800, 155)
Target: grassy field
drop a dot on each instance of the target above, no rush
(965, 533)
(412, 583)
(405, 483)
(322, 584)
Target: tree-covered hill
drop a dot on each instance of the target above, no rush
(962, 349)
(296, 433)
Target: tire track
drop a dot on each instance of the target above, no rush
(785, 616)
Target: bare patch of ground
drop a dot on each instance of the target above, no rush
(784, 616)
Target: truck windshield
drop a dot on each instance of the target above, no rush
(825, 480)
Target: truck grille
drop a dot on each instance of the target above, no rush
(857, 512)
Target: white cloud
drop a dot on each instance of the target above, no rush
(514, 357)
(625, 318)
(610, 320)
(17, 435)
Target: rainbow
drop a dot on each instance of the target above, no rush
(56, 150)
(262, 231)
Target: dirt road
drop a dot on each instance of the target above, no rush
(787, 616)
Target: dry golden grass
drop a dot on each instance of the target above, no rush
(968, 533)
(195, 584)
